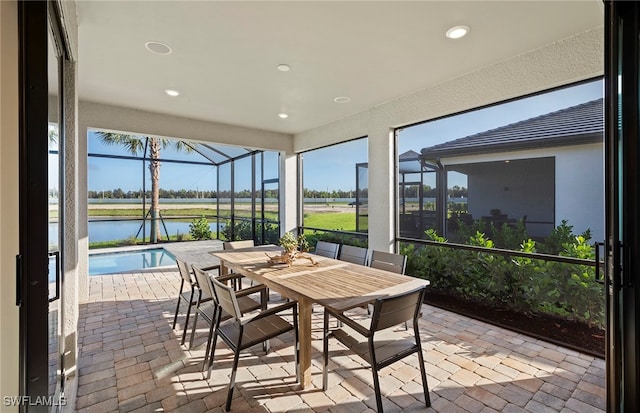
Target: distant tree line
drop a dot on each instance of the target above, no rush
(335, 193)
(118, 193)
(430, 192)
(410, 192)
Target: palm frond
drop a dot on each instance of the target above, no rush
(131, 143)
(183, 146)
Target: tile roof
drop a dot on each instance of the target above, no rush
(575, 125)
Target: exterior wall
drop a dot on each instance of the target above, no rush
(579, 185)
(517, 188)
(9, 241)
(580, 189)
(576, 58)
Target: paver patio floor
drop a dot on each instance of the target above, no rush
(131, 360)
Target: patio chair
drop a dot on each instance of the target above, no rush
(372, 340)
(240, 333)
(235, 245)
(388, 261)
(207, 304)
(327, 249)
(189, 296)
(354, 255)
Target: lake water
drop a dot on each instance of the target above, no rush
(122, 230)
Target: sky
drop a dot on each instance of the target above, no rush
(333, 167)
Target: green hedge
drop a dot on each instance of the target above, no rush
(520, 284)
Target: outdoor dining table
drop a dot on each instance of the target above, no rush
(331, 283)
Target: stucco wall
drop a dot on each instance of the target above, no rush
(580, 189)
(9, 247)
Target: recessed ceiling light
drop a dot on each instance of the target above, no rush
(158, 48)
(284, 67)
(457, 32)
(283, 115)
(342, 99)
(172, 92)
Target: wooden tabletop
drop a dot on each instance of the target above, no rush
(335, 284)
(332, 283)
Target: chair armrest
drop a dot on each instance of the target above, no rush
(349, 322)
(213, 267)
(254, 289)
(227, 277)
(266, 313)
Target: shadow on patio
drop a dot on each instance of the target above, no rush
(131, 360)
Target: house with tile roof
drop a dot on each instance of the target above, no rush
(548, 168)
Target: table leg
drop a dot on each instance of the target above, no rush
(304, 326)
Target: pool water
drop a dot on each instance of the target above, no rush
(129, 261)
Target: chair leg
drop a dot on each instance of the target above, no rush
(206, 352)
(376, 385)
(296, 342)
(193, 329)
(175, 316)
(232, 382)
(425, 386)
(213, 343)
(186, 320)
(374, 370)
(264, 298)
(325, 350)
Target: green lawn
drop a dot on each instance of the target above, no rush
(345, 221)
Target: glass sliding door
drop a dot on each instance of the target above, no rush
(42, 55)
(622, 89)
(55, 195)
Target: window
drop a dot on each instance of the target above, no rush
(335, 189)
(536, 161)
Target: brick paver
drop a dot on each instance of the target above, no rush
(131, 360)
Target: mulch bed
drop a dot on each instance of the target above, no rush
(572, 334)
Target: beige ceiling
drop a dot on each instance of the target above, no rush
(225, 53)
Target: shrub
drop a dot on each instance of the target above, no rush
(199, 229)
(522, 284)
(243, 230)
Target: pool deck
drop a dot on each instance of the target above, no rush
(131, 360)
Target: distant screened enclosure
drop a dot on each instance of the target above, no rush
(205, 191)
(530, 164)
(335, 192)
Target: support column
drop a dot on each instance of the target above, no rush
(289, 203)
(69, 296)
(382, 193)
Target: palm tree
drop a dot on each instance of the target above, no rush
(135, 144)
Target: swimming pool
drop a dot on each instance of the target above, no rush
(114, 262)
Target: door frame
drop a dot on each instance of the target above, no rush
(32, 261)
(622, 158)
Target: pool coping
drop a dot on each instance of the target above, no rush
(126, 248)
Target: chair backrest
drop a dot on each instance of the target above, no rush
(203, 281)
(234, 245)
(226, 299)
(388, 261)
(185, 272)
(355, 255)
(327, 249)
(393, 310)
